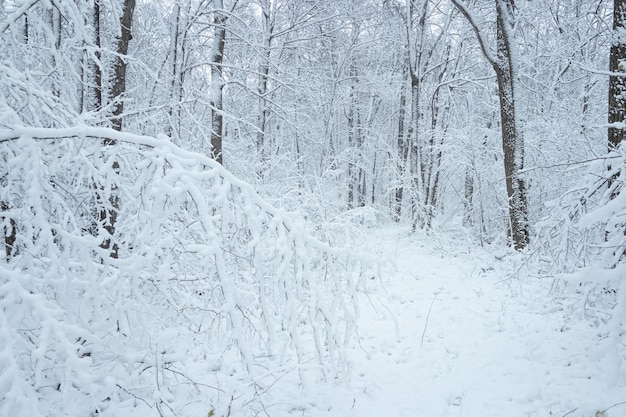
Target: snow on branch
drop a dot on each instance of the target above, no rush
(16, 14)
(217, 300)
(480, 36)
(588, 223)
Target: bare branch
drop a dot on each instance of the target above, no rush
(482, 40)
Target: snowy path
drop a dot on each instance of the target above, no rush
(447, 335)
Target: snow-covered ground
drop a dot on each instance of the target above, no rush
(450, 330)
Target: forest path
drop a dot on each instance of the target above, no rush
(449, 332)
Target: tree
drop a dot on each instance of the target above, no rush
(91, 97)
(217, 80)
(267, 29)
(617, 84)
(8, 226)
(503, 63)
(417, 61)
(118, 89)
(109, 211)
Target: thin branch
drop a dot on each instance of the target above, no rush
(428, 316)
(482, 40)
(16, 15)
(566, 164)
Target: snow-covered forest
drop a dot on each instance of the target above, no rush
(307, 207)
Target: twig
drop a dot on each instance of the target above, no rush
(428, 316)
(614, 405)
(570, 412)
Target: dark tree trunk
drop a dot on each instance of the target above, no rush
(25, 29)
(217, 81)
(97, 66)
(435, 155)
(415, 155)
(468, 197)
(617, 83)
(264, 70)
(9, 231)
(174, 83)
(354, 142)
(56, 25)
(118, 89)
(512, 137)
(92, 67)
(351, 134)
(402, 157)
(108, 215)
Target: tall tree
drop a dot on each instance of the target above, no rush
(118, 88)
(267, 29)
(417, 60)
(503, 63)
(617, 79)
(108, 212)
(217, 80)
(177, 55)
(91, 98)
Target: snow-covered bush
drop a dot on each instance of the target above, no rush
(217, 299)
(587, 226)
(584, 240)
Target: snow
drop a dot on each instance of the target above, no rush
(222, 302)
(452, 332)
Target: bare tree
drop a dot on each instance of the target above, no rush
(267, 27)
(617, 84)
(217, 80)
(91, 99)
(108, 212)
(178, 55)
(512, 136)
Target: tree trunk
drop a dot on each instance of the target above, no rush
(512, 137)
(264, 70)
(416, 61)
(361, 176)
(217, 81)
(9, 231)
(108, 216)
(617, 83)
(118, 89)
(56, 25)
(25, 29)
(92, 68)
(352, 181)
(435, 153)
(175, 86)
(468, 197)
(415, 165)
(402, 156)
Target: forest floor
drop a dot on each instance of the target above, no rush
(452, 330)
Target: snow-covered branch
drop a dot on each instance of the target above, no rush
(216, 296)
(480, 36)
